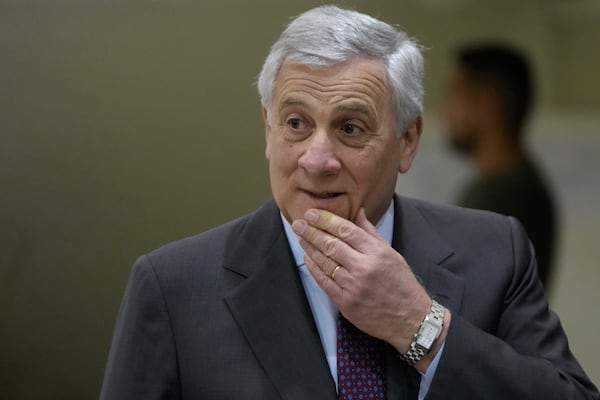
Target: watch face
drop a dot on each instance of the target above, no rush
(428, 334)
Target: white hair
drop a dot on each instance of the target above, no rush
(328, 35)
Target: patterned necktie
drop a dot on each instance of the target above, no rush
(360, 363)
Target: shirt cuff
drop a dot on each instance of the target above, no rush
(427, 377)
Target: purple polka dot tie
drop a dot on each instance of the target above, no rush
(360, 363)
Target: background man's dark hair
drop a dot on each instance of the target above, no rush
(506, 71)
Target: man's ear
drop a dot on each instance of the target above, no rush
(265, 115)
(409, 143)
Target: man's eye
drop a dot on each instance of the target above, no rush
(350, 129)
(295, 123)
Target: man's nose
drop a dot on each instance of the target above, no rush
(320, 157)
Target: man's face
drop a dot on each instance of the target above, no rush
(460, 113)
(331, 140)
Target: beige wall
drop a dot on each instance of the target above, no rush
(128, 124)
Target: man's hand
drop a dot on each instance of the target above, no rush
(373, 287)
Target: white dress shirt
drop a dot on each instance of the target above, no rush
(325, 312)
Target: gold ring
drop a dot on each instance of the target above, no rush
(334, 271)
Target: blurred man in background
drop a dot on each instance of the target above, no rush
(489, 97)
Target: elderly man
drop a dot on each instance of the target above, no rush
(339, 288)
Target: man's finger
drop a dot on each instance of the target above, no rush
(364, 223)
(330, 246)
(329, 286)
(341, 228)
(324, 246)
(326, 264)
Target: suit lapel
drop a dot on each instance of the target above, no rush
(268, 302)
(425, 253)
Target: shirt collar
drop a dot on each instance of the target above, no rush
(385, 226)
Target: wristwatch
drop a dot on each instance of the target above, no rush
(426, 335)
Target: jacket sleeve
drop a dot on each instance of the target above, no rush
(142, 363)
(527, 357)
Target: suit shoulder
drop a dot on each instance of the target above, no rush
(206, 247)
(445, 213)
(464, 225)
(478, 233)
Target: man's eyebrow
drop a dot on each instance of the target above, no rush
(360, 108)
(356, 107)
(292, 101)
(351, 106)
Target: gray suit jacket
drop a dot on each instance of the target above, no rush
(223, 315)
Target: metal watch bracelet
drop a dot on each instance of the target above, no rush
(435, 319)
